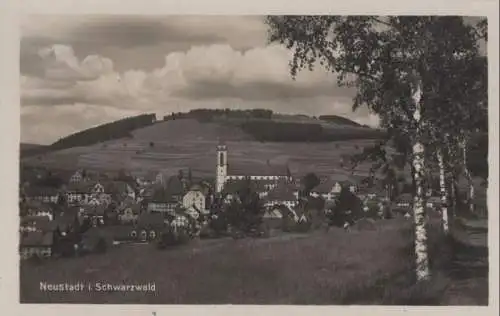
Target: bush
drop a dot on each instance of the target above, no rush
(170, 238)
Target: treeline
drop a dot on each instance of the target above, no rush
(304, 132)
(208, 115)
(114, 130)
(338, 120)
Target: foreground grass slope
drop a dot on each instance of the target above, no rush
(335, 267)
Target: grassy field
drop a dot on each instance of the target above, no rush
(188, 143)
(335, 267)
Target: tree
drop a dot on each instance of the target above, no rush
(309, 181)
(393, 62)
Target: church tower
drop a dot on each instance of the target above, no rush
(221, 173)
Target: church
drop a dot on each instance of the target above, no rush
(259, 172)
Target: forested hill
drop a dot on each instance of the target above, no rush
(258, 124)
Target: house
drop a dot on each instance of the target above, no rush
(36, 208)
(403, 203)
(149, 226)
(276, 212)
(162, 202)
(42, 194)
(36, 224)
(36, 243)
(255, 172)
(368, 193)
(78, 192)
(282, 194)
(328, 189)
(120, 190)
(175, 188)
(434, 202)
(96, 214)
(195, 197)
(129, 213)
(77, 177)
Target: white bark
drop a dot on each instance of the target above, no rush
(468, 176)
(422, 260)
(442, 188)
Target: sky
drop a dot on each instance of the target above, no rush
(79, 71)
(82, 71)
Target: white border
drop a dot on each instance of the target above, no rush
(10, 132)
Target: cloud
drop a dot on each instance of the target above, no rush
(81, 71)
(44, 127)
(116, 36)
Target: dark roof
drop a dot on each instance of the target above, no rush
(405, 197)
(40, 191)
(81, 187)
(327, 183)
(37, 239)
(161, 196)
(282, 192)
(256, 169)
(325, 186)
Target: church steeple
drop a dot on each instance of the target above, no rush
(221, 170)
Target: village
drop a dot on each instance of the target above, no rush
(68, 214)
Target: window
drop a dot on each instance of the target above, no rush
(152, 234)
(144, 235)
(133, 234)
(221, 159)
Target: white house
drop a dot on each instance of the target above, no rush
(194, 197)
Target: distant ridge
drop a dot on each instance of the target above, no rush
(258, 124)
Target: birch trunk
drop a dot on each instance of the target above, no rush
(468, 176)
(442, 189)
(422, 260)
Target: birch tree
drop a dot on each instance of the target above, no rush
(391, 61)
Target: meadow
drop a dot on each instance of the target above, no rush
(362, 266)
(172, 145)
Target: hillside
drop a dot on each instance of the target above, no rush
(180, 143)
(31, 149)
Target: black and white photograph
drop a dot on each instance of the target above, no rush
(323, 159)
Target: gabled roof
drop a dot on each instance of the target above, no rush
(37, 239)
(282, 192)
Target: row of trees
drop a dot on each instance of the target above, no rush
(207, 115)
(423, 75)
(305, 132)
(114, 130)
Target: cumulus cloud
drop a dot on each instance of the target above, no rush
(65, 89)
